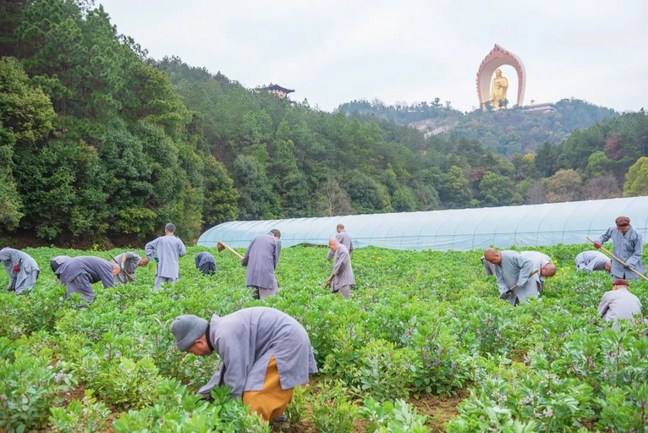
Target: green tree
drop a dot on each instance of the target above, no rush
(61, 189)
(598, 164)
(289, 182)
(636, 183)
(367, 195)
(453, 187)
(26, 116)
(546, 160)
(257, 199)
(524, 166)
(130, 188)
(403, 200)
(221, 197)
(10, 14)
(10, 202)
(563, 186)
(496, 190)
(331, 199)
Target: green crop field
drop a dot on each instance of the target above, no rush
(425, 344)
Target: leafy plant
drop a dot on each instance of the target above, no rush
(419, 322)
(382, 371)
(178, 410)
(29, 386)
(87, 416)
(297, 405)
(333, 412)
(392, 417)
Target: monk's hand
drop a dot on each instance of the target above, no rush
(597, 245)
(16, 268)
(207, 398)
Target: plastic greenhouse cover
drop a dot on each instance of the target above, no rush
(455, 229)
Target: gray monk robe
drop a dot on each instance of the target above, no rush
(24, 279)
(168, 249)
(261, 259)
(619, 304)
(205, 263)
(540, 260)
(79, 273)
(343, 238)
(130, 262)
(246, 339)
(629, 248)
(515, 269)
(489, 268)
(342, 277)
(591, 261)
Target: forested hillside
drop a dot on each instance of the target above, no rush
(98, 141)
(505, 131)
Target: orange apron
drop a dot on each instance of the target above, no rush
(271, 401)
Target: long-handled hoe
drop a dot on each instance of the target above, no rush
(129, 276)
(609, 253)
(220, 246)
(511, 292)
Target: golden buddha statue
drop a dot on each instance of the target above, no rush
(499, 86)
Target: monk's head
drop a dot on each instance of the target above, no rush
(339, 228)
(143, 262)
(619, 283)
(607, 266)
(115, 269)
(190, 333)
(333, 244)
(548, 270)
(494, 256)
(276, 233)
(622, 223)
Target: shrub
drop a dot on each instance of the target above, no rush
(392, 417)
(178, 410)
(383, 371)
(127, 383)
(442, 367)
(87, 416)
(29, 386)
(295, 409)
(333, 412)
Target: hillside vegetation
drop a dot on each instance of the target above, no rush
(101, 144)
(509, 131)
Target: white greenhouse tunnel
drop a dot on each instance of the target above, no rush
(455, 229)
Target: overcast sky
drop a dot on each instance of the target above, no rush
(335, 51)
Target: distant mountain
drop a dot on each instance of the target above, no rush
(514, 130)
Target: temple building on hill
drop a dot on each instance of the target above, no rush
(278, 91)
(547, 107)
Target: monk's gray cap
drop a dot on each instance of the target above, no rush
(187, 329)
(169, 227)
(57, 261)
